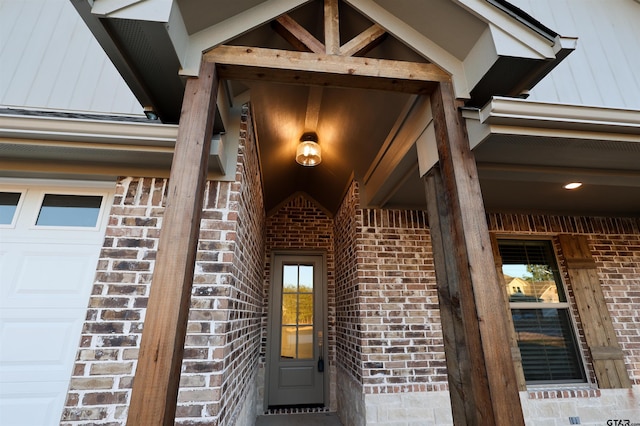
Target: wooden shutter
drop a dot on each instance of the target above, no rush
(513, 340)
(607, 356)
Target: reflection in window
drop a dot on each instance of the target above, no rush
(297, 312)
(8, 206)
(69, 210)
(540, 312)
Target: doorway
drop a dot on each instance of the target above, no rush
(296, 342)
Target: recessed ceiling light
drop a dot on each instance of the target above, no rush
(573, 185)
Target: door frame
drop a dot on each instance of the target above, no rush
(273, 309)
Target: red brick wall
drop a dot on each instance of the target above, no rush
(348, 320)
(223, 337)
(401, 328)
(300, 224)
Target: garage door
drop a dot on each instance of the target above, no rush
(50, 239)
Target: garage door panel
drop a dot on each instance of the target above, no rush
(55, 276)
(38, 347)
(20, 404)
(46, 275)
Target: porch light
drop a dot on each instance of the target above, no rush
(573, 185)
(309, 152)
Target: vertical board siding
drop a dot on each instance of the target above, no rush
(50, 60)
(602, 69)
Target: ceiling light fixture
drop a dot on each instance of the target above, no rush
(573, 185)
(309, 152)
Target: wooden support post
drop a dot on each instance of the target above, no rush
(155, 386)
(482, 381)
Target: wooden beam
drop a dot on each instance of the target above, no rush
(482, 381)
(397, 155)
(297, 35)
(516, 355)
(331, 27)
(314, 100)
(155, 386)
(239, 62)
(364, 42)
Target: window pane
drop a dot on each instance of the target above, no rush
(288, 342)
(297, 312)
(289, 308)
(306, 278)
(530, 272)
(290, 278)
(8, 206)
(305, 342)
(305, 309)
(547, 345)
(69, 210)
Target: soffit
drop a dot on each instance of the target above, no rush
(526, 151)
(441, 21)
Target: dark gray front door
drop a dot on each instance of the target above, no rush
(295, 361)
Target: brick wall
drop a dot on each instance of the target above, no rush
(301, 224)
(401, 331)
(223, 336)
(389, 333)
(348, 321)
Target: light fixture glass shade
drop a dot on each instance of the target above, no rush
(573, 185)
(308, 152)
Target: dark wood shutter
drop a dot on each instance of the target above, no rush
(607, 356)
(513, 340)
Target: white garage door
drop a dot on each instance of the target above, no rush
(50, 239)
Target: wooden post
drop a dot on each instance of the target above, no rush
(155, 386)
(482, 381)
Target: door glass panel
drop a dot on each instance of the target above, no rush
(288, 345)
(8, 206)
(305, 342)
(305, 309)
(69, 210)
(297, 312)
(306, 277)
(289, 308)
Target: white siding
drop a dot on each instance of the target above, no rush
(604, 69)
(50, 60)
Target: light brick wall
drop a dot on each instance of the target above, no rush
(402, 335)
(390, 337)
(223, 337)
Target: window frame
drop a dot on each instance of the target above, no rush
(79, 192)
(16, 213)
(568, 305)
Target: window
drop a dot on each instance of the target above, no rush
(8, 206)
(297, 312)
(69, 210)
(540, 312)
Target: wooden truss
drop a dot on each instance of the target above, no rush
(481, 376)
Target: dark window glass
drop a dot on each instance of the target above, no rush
(540, 313)
(546, 342)
(8, 206)
(69, 210)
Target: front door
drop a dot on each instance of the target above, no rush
(296, 350)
